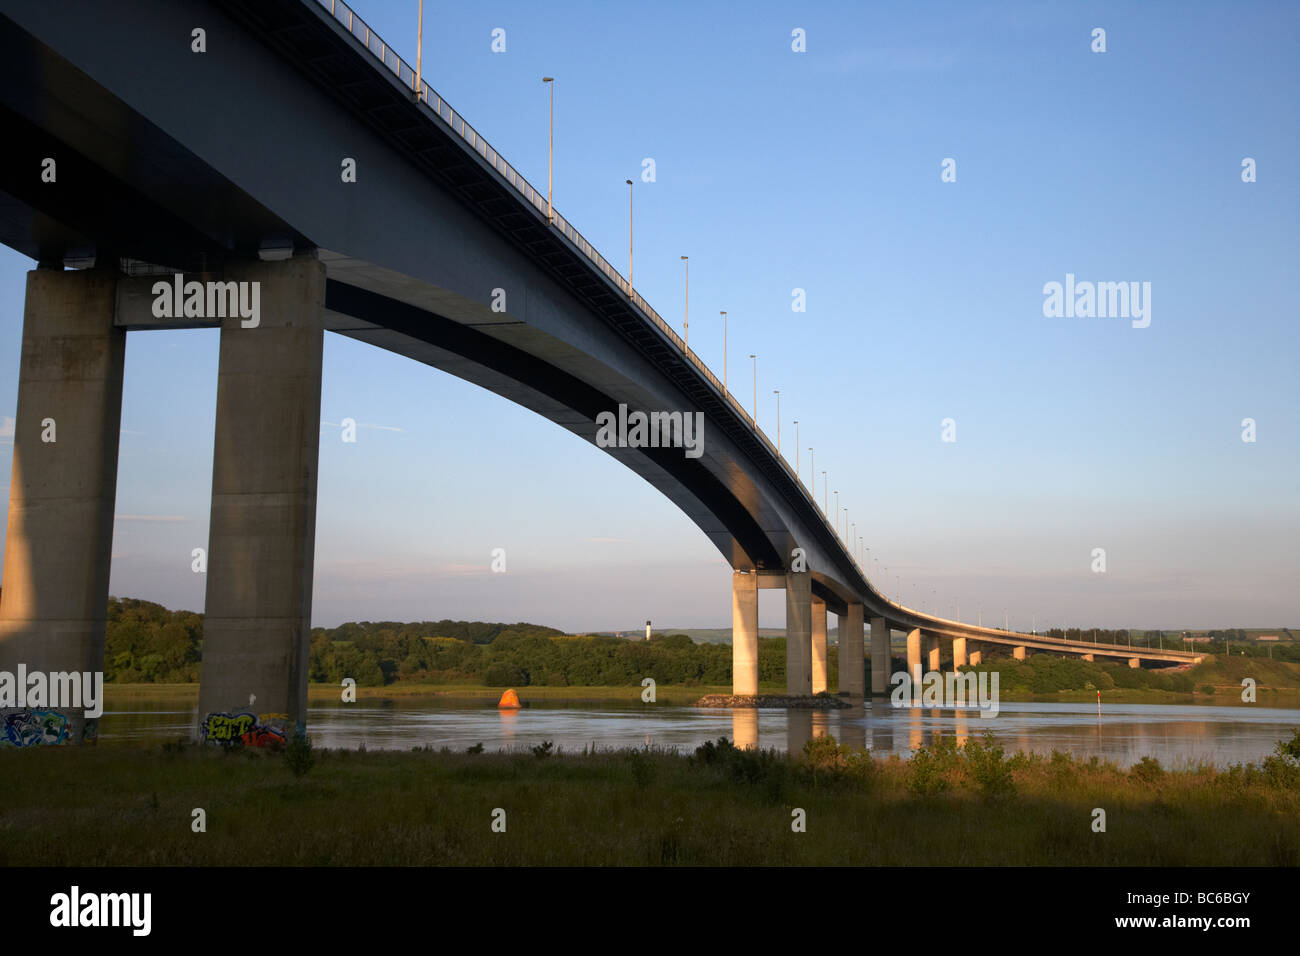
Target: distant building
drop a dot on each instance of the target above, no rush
(1267, 637)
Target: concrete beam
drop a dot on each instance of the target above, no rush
(261, 538)
(958, 652)
(880, 656)
(852, 678)
(798, 633)
(818, 646)
(63, 487)
(744, 634)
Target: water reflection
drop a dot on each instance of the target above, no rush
(1177, 735)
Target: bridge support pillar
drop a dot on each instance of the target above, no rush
(880, 656)
(1019, 653)
(914, 656)
(798, 633)
(1089, 658)
(818, 646)
(261, 537)
(975, 658)
(744, 634)
(62, 491)
(958, 652)
(1134, 662)
(932, 648)
(852, 677)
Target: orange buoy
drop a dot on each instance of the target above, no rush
(509, 700)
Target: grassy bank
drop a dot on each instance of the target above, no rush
(974, 806)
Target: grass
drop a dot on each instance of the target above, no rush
(952, 806)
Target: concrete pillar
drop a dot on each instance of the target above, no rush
(798, 633)
(958, 652)
(1134, 662)
(1088, 657)
(744, 634)
(1019, 653)
(975, 658)
(932, 648)
(261, 538)
(818, 646)
(852, 677)
(798, 729)
(880, 656)
(61, 494)
(914, 656)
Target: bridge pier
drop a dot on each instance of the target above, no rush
(914, 656)
(975, 658)
(798, 633)
(958, 653)
(880, 656)
(744, 634)
(1089, 658)
(261, 538)
(818, 646)
(1018, 652)
(63, 488)
(852, 677)
(933, 650)
(1134, 662)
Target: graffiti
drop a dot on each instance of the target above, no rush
(261, 731)
(34, 728)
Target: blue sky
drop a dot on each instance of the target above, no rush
(821, 170)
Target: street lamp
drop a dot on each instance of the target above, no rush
(629, 234)
(724, 352)
(777, 393)
(837, 514)
(755, 358)
(825, 506)
(419, 44)
(550, 152)
(687, 313)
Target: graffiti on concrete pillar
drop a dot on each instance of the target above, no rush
(262, 730)
(34, 728)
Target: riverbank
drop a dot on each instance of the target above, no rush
(720, 807)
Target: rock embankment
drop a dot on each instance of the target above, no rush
(766, 700)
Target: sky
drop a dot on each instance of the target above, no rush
(822, 170)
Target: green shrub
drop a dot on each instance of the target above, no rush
(988, 766)
(298, 753)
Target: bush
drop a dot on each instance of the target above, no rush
(298, 754)
(1147, 770)
(988, 767)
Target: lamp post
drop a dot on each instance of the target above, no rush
(629, 234)
(825, 499)
(550, 151)
(755, 358)
(777, 393)
(837, 514)
(419, 45)
(724, 352)
(686, 323)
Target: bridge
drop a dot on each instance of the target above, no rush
(295, 160)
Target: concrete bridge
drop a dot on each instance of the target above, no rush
(298, 159)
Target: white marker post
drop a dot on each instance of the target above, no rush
(1099, 705)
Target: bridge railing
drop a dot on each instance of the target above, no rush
(406, 75)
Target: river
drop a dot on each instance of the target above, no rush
(1177, 735)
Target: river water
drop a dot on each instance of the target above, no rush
(1177, 735)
